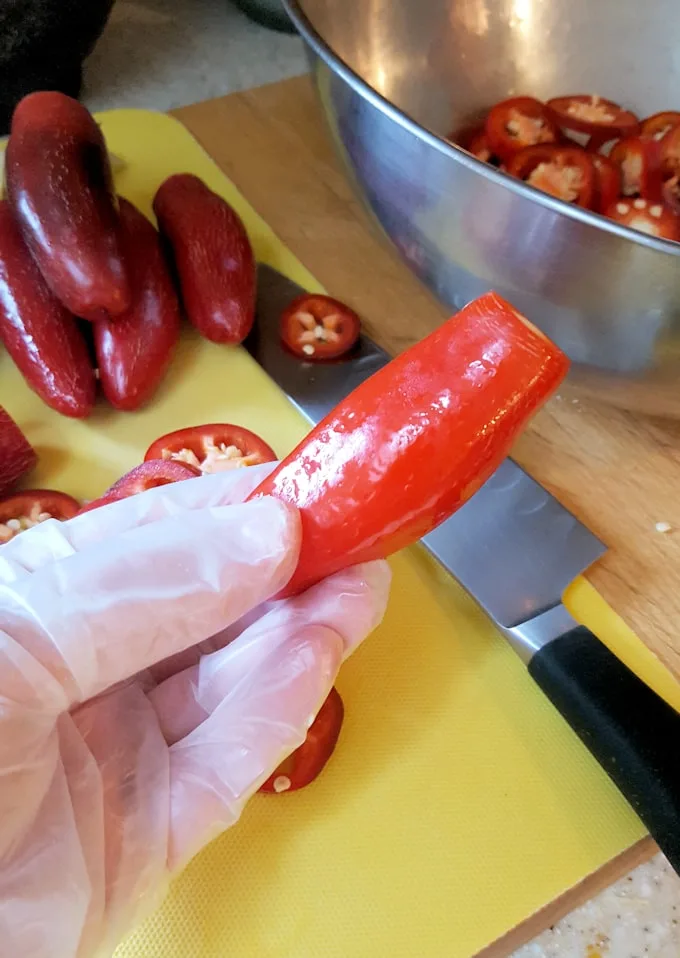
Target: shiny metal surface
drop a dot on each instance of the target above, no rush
(513, 546)
(395, 77)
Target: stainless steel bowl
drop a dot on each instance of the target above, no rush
(395, 77)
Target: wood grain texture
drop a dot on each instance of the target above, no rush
(617, 472)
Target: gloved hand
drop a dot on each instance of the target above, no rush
(131, 733)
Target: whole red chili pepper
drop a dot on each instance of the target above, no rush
(40, 335)
(60, 187)
(411, 444)
(17, 456)
(212, 255)
(135, 349)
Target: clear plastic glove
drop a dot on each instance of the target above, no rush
(131, 733)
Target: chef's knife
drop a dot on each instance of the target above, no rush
(515, 549)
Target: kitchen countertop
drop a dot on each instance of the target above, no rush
(160, 54)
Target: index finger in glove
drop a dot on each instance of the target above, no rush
(53, 540)
(262, 693)
(101, 615)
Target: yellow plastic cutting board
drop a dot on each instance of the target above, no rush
(458, 802)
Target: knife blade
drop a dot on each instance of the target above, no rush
(514, 548)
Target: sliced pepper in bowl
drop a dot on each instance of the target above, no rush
(514, 124)
(655, 219)
(310, 758)
(562, 171)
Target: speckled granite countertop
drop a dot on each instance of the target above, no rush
(162, 54)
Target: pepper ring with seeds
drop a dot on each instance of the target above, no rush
(316, 327)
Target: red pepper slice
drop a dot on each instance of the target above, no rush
(607, 182)
(671, 194)
(660, 124)
(586, 113)
(212, 256)
(308, 761)
(475, 141)
(149, 475)
(670, 153)
(654, 219)
(134, 350)
(25, 509)
(215, 447)
(316, 327)
(514, 124)
(413, 442)
(60, 188)
(17, 456)
(39, 334)
(639, 160)
(565, 172)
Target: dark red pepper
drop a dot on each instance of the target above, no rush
(411, 444)
(565, 172)
(317, 328)
(60, 187)
(660, 124)
(135, 349)
(655, 219)
(514, 124)
(40, 335)
(602, 119)
(639, 160)
(607, 182)
(309, 760)
(212, 255)
(17, 456)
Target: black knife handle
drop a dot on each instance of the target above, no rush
(632, 732)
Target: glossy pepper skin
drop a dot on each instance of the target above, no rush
(17, 456)
(212, 255)
(411, 444)
(60, 187)
(40, 335)
(135, 349)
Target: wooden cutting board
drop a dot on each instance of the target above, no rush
(619, 473)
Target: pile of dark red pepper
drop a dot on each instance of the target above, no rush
(590, 152)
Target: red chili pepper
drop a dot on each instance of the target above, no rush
(214, 447)
(60, 187)
(670, 153)
(308, 761)
(519, 122)
(660, 124)
(40, 335)
(585, 113)
(213, 258)
(17, 456)
(671, 194)
(316, 327)
(475, 141)
(135, 349)
(639, 160)
(607, 182)
(655, 219)
(25, 509)
(411, 444)
(149, 475)
(565, 172)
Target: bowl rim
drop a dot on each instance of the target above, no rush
(440, 143)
